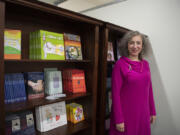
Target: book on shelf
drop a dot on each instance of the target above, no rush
(46, 45)
(14, 88)
(34, 84)
(107, 124)
(20, 124)
(74, 81)
(74, 113)
(50, 116)
(118, 41)
(73, 47)
(109, 100)
(110, 52)
(12, 44)
(53, 81)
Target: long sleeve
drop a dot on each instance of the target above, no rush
(151, 97)
(151, 101)
(117, 81)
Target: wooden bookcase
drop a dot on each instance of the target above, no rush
(29, 16)
(109, 32)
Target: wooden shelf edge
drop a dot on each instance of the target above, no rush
(20, 106)
(45, 61)
(41, 6)
(68, 129)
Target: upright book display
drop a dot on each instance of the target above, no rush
(31, 16)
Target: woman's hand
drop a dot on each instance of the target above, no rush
(120, 127)
(153, 119)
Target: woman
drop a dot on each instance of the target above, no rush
(133, 107)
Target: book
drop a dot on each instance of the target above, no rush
(75, 113)
(50, 116)
(12, 44)
(34, 84)
(118, 45)
(74, 81)
(46, 45)
(110, 53)
(50, 45)
(20, 124)
(109, 100)
(72, 47)
(107, 124)
(53, 83)
(14, 88)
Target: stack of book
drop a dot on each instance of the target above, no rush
(50, 116)
(72, 47)
(46, 45)
(74, 81)
(20, 124)
(12, 44)
(53, 81)
(74, 113)
(14, 88)
(108, 96)
(34, 84)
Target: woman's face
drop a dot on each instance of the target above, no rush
(135, 46)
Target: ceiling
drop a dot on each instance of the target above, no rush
(81, 5)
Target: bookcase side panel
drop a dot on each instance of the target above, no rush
(102, 79)
(2, 112)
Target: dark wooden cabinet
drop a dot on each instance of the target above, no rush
(29, 16)
(109, 32)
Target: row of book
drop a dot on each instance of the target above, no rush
(48, 117)
(43, 45)
(20, 124)
(108, 96)
(38, 84)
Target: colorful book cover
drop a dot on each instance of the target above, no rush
(75, 113)
(110, 53)
(74, 80)
(50, 116)
(50, 45)
(12, 44)
(72, 47)
(34, 84)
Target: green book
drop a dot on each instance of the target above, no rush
(50, 45)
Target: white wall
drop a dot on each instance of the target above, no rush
(160, 20)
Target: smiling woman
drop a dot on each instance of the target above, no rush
(133, 107)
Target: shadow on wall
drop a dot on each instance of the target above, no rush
(164, 124)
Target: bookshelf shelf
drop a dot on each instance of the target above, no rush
(20, 106)
(68, 129)
(45, 61)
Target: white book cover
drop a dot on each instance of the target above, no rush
(51, 116)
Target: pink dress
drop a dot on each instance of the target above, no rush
(132, 97)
